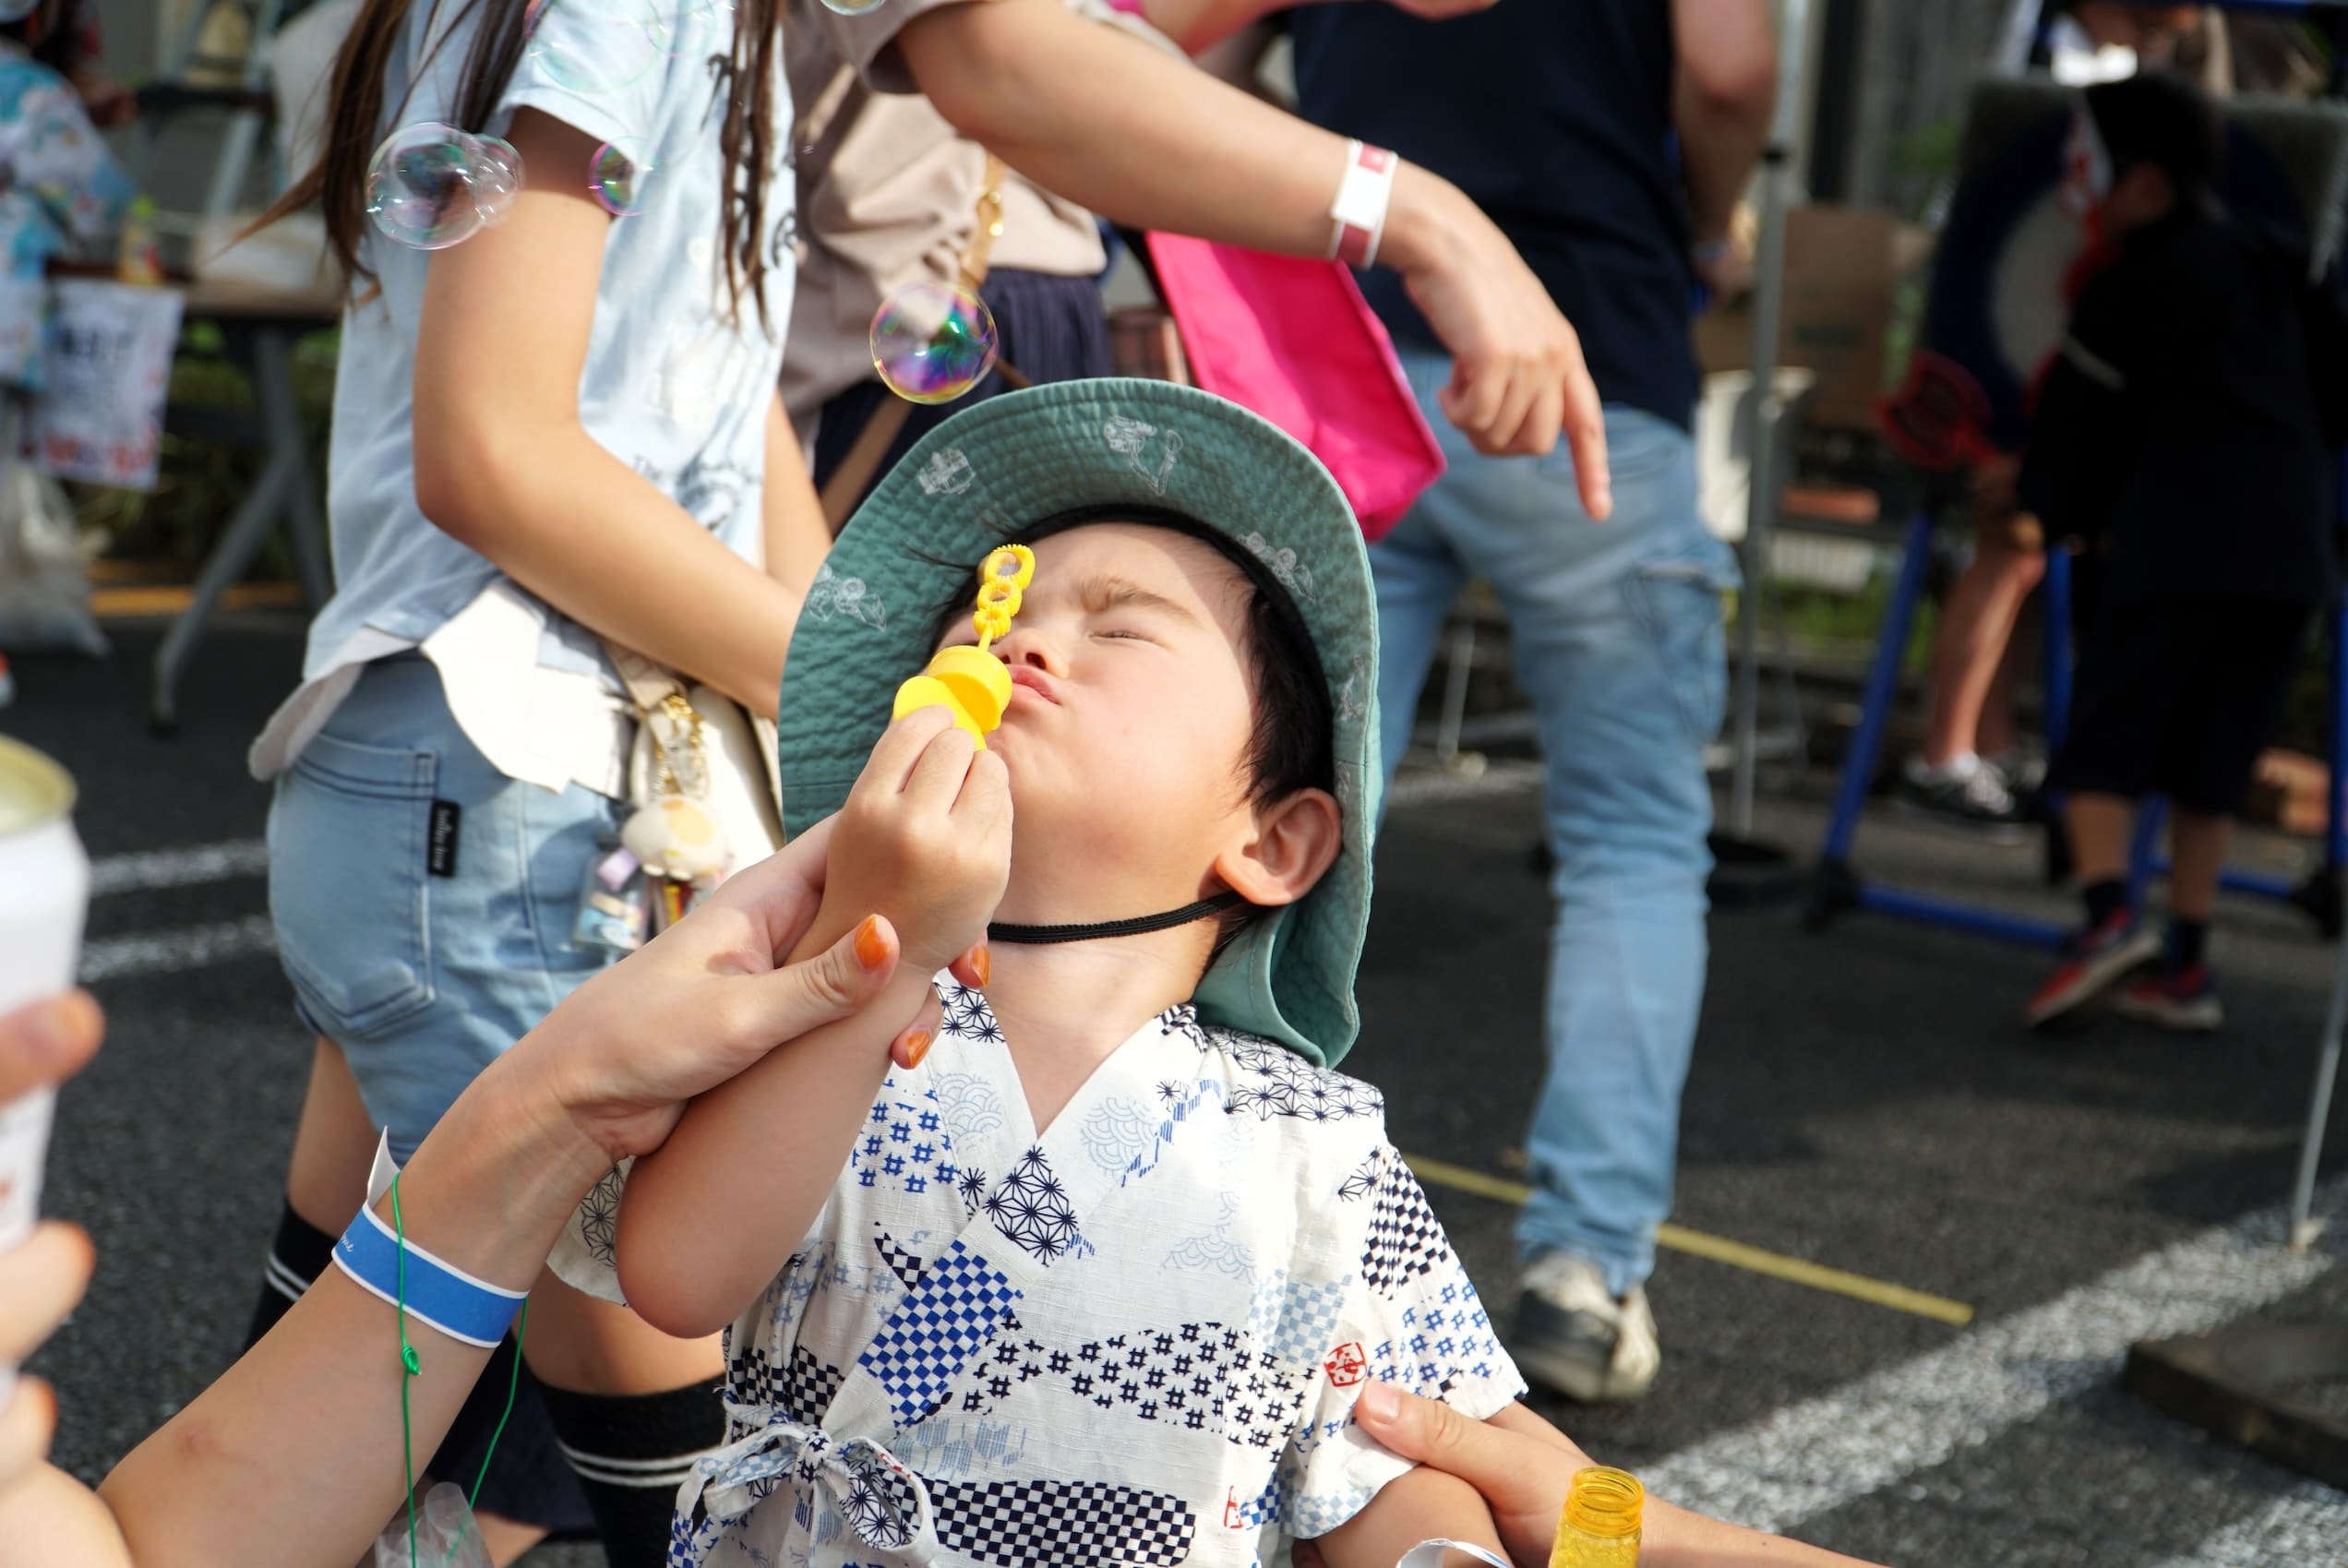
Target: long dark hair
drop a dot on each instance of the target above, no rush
(357, 121)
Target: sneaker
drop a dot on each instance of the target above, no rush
(2182, 999)
(2093, 962)
(1967, 793)
(1575, 1338)
(2024, 777)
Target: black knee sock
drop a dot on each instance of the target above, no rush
(2188, 941)
(528, 1480)
(2104, 899)
(630, 1453)
(297, 1254)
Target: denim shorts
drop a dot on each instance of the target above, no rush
(424, 902)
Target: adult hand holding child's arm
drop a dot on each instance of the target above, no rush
(925, 842)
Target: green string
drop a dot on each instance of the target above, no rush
(411, 1366)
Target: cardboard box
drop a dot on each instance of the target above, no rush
(1843, 267)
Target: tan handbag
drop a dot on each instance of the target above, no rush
(706, 782)
(854, 476)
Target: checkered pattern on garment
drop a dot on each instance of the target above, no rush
(803, 1391)
(939, 1324)
(1406, 1239)
(1293, 1319)
(1061, 1524)
(1200, 1376)
(903, 1265)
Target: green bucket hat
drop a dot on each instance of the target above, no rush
(1003, 466)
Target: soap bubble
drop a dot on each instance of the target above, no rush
(431, 185)
(932, 343)
(596, 45)
(853, 7)
(616, 178)
(502, 175)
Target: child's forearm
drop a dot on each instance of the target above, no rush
(709, 1217)
(1424, 1504)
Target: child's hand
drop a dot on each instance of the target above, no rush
(925, 840)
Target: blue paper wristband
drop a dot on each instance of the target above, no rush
(443, 1296)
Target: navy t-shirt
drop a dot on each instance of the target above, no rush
(1555, 117)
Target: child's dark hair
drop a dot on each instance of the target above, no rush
(2159, 117)
(1292, 746)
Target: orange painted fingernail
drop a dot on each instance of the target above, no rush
(917, 1046)
(982, 963)
(871, 947)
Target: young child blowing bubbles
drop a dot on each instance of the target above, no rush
(1095, 1276)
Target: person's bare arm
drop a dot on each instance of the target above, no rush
(293, 1454)
(1522, 1465)
(504, 465)
(924, 839)
(1197, 24)
(1134, 133)
(1421, 1504)
(796, 536)
(1722, 100)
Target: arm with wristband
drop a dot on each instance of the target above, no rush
(1140, 136)
(298, 1453)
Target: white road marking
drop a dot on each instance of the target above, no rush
(1802, 1460)
(1503, 776)
(176, 952)
(188, 866)
(2306, 1523)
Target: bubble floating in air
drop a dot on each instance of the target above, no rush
(432, 185)
(932, 343)
(616, 178)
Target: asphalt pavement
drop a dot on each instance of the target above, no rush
(1862, 1101)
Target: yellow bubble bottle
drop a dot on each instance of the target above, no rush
(1600, 1526)
(972, 684)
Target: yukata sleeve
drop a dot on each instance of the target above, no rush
(1409, 1316)
(67, 167)
(584, 1257)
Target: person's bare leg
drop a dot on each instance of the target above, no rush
(592, 1346)
(2100, 826)
(325, 1182)
(633, 1409)
(2197, 858)
(1994, 733)
(1976, 624)
(333, 1145)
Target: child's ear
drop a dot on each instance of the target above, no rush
(1294, 842)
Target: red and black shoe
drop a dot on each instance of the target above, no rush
(2182, 999)
(2093, 962)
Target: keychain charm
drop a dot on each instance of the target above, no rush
(675, 838)
(973, 684)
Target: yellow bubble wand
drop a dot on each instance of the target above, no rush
(973, 684)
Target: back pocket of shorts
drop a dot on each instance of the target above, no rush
(347, 893)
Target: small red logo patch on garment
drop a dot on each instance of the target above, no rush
(1346, 1365)
(1231, 1518)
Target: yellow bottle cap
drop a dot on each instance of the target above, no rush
(927, 691)
(980, 680)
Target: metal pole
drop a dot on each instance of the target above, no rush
(2303, 1192)
(1760, 434)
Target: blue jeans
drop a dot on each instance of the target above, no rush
(423, 979)
(1617, 633)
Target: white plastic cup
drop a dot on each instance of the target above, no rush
(44, 895)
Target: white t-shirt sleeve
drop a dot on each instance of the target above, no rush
(1411, 1317)
(606, 68)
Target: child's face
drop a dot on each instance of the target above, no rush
(1132, 710)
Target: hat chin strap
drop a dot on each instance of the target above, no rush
(1142, 926)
